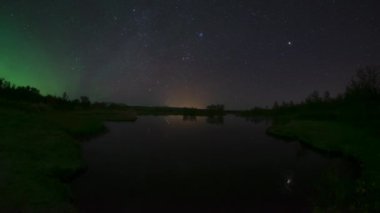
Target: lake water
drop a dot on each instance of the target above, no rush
(176, 164)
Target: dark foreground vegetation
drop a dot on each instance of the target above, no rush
(348, 124)
(39, 146)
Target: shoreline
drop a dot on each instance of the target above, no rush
(38, 164)
(316, 134)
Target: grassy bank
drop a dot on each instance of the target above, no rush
(39, 152)
(358, 141)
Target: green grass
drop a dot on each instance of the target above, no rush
(38, 153)
(358, 141)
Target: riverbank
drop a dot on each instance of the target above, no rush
(349, 139)
(40, 151)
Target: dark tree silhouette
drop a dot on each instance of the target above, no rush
(326, 96)
(65, 97)
(85, 101)
(314, 97)
(11, 92)
(275, 105)
(365, 85)
(216, 108)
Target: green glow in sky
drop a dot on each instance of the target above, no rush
(23, 62)
(26, 58)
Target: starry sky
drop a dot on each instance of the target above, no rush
(241, 53)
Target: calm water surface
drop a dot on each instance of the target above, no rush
(167, 164)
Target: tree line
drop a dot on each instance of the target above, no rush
(30, 95)
(361, 96)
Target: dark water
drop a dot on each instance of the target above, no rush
(166, 164)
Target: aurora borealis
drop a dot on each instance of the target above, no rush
(187, 53)
(26, 60)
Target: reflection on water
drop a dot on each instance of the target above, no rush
(189, 118)
(257, 120)
(215, 119)
(170, 164)
(211, 119)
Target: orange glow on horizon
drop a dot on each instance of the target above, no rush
(187, 97)
(185, 101)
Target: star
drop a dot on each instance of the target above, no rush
(290, 43)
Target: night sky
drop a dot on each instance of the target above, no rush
(187, 52)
